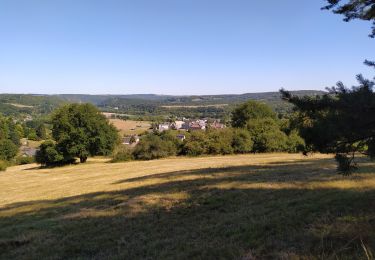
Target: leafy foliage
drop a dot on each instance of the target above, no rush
(154, 147)
(242, 141)
(80, 130)
(3, 165)
(266, 135)
(220, 141)
(9, 138)
(341, 121)
(122, 154)
(251, 110)
(49, 155)
(8, 149)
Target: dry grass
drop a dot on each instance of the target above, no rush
(19, 105)
(130, 127)
(244, 206)
(196, 106)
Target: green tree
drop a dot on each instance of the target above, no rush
(242, 142)
(341, 121)
(294, 142)
(8, 149)
(250, 110)
(48, 155)
(195, 144)
(219, 141)
(154, 147)
(266, 135)
(80, 130)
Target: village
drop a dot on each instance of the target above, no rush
(180, 126)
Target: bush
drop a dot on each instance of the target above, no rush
(32, 136)
(242, 142)
(267, 136)
(195, 144)
(123, 154)
(20, 160)
(8, 150)
(48, 155)
(220, 141)
(250, 110)
(294, 143)
(3, 165)
(154, 147)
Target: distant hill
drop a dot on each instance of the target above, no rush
(170, 99)
(141, 105)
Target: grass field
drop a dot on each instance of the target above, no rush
(267, 206)
(130, 127)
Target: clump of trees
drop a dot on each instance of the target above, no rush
(268, 133)
(78, 131)
(9, 140)
(256, 129)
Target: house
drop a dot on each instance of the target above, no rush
(217, 125)
(176, 125)
(185, 126)
(163, 127)
(130, 140)
(181, 137)
(197, 125)
(193, 126)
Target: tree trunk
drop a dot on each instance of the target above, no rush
(82, 159)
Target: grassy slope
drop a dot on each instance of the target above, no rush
(267, 206)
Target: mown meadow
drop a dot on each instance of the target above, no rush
(265, 206)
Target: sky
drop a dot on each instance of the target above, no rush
(177, 47)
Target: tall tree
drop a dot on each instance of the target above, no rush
(250, 110)
(80, 130)
(341, 121)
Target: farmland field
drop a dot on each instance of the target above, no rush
(238, 207)
(130, 127)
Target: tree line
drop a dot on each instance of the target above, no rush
(255, 129)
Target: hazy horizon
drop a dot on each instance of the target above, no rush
(135, 94)
(171, 47)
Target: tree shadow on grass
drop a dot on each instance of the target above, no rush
(198, 218)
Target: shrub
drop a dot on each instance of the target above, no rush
(154, 147)
(242, 142)
(8, 149)
(195, 144)
(48, 154)
(123, 154)
(32, 136)
(3, 165)
(20, 160)
(266, 135)
(250, 110)
(294, 143)
(220, 141)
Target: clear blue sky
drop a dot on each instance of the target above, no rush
(176, 46)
